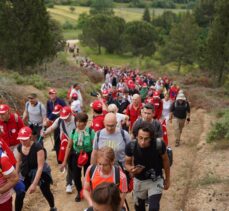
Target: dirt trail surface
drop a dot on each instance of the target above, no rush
(199, 175)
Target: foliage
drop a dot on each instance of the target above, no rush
(165, 21)
(219, 129)
(181, 45)
(68, 25)
(139, 38)
(146, 15)
(204, 12)
(28, 36)
(83, 17)
(103, 31)
(72, 9)
(35, 80)
(163, 4)
(102, 7)
(218, 42)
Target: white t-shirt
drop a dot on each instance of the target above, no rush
(166, 109)
(76, 106)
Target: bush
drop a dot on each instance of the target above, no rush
(163, 4)
(68, 25)
(34, 80)
(50, 5)
(220, 130)
(62, 93)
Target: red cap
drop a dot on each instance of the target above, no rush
(156, 95)
(24, 133)
(65, 112)
(75, 96)
(97, 105)
(57, 109)
(52, 91)
(4, 108)
(144, 85)
(105, 92)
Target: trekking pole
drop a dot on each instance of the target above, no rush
(127, 206)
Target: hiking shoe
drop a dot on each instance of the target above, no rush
(78, 199)
(53, 209)
(69, 189)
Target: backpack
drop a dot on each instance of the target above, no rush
(175, 104)
(116, 178)
(168, 150)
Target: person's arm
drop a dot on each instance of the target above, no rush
(94, 156)
(25, 115)
(188, 113)
(11, 181)
(166, 167)
(68, 150)
(18, 158)
(40, 165)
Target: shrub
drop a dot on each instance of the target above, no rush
(68, 25)
(62, 93)
(219, 129)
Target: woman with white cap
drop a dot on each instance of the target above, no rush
(33, 168)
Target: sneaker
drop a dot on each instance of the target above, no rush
(78, 199)
(69, 189)
(53, 209)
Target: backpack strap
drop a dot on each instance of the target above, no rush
(97, 137)
(117, 175)
(159, 145)
(91, 173)
(123, 135)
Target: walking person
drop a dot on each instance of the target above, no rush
(35, 112)
(145, 162)
(179, 114)
(10, 124)
(66, 123)
(8, 179)
(105, 171)
(80, 142)
(33, 168)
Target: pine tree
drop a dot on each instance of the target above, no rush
(181, 45)
(218, 42)
(146, 15)
(27, 34)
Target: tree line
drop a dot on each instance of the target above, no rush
(198, 37)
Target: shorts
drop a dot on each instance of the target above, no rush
(146, 188)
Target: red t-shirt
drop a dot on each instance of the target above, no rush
(173, 92)
(133, 113)
(9, 130)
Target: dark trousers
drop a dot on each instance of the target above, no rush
(45, 189)
(57, 143)
(154, 203)
(76, 171)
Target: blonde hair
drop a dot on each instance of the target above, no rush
(107, 153)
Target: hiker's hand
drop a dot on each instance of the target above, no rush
(62, 167)
(32, 188)
(136, 170)
(166, 184)
(42, 133)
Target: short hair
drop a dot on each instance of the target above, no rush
(75, 85)
(32, 95)
(107, 194)
(146, 127)
(107, 153)
(82, 117)
(149, 106)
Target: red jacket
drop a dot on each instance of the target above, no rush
(133, 113)
(9, 130)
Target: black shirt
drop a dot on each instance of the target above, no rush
(148, 157)
(180, 110)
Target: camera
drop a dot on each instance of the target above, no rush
(151, 174)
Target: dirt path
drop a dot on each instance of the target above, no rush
(187, 169)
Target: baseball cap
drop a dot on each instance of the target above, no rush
(181, 97)
(75, 96)
(57, 109)
(65, 112)
(105, 92)
(4, 108)
(144, 85)
(24, 133)
(156, 95)
(52, 91)
(32, 96)
(97, 105)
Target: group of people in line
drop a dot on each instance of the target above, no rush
(124, 149)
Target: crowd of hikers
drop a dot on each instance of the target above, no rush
(124, 149)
